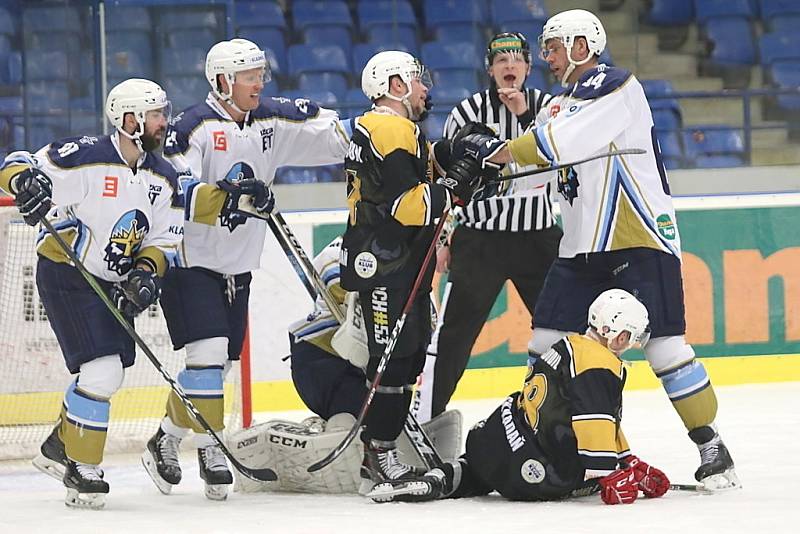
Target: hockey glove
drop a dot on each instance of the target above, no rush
(653, 482)
(137, 293)
(33, 192)
(462, 178)
(619, 487)
(261, 196)
(480, 147)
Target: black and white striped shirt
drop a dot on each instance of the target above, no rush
(517, 208)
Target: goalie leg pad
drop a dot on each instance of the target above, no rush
(289, 448)
(445, 433)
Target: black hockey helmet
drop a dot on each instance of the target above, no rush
(507, 42)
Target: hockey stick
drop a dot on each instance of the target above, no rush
(611, 154)
(316, 286)
(697, 488)
(263, 474)
(387, 352)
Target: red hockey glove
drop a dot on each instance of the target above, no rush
(619, 487)
(653, 482)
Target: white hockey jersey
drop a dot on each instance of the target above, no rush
(609, 203)
(205, 141)
(110, 215)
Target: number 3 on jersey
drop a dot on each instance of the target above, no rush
(534, 392)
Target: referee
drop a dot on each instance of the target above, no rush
(509, 234)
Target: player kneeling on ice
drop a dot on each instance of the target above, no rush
(328, 361)
(560, 436)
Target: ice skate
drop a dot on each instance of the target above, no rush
(214, 471)
(381, 464)
(52, 459)
(85, 486)
(716, 471)
(160, 460)
(429, 487)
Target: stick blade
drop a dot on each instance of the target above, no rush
(265, 474)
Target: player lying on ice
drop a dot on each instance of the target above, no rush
(328, 361)
(560, 436)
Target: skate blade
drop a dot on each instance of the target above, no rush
(413, 491)
(88, 501)
(49, 467)
(366, 486)
(217, 492)
(150, 466)
(724, 481)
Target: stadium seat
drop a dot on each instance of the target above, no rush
(539, 79)
(439, 55)
(771, 9)
(509, 11)
(385, 12)
(364, 51)
(322, 35)
(354, 103)
(51, 19)
(318, 12)
(183, 61)
(665, 119)
(259, 14)
(136, 41)
(185, 91)
(671, 151)
(10, 105)
(46, 65)
(446, 98)
(203, 38)
(732, 39)
(11, 68)
(311, 58)
(657, 93)
(267, 38)
(713, 140)
(461, 32)
(46, 96)
(706, 10)
(785, 23)
(5, 44)
(84, 124)
(188, 18)
(779, 46)
(325, 99)
(377, 34)
(7, 22)
(716, 162)
(335, 82)
(438, 12)
(786, 75)
(126, 18)
(128, 65)
(433, 126)
(670, 12)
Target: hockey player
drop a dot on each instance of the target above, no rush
(507, 235)
(238, 141)
(560, 436)
(619, 221)
(116, 202)
(393, 205)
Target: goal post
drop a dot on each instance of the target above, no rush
(33, 376)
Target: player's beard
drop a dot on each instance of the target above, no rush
(152, 141)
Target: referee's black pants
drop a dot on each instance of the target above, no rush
(480, 264)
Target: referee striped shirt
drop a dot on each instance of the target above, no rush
(517, 208)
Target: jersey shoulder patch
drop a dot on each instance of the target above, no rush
(388, 133)
(278, 107)
(600, 81)
(183, 124)
(588, 354)
(73, 152)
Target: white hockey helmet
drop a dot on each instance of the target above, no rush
(383, 65)
(137, 96)
(228, 58)
(567, 26)
(615, 311)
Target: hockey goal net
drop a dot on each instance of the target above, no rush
(33, 376)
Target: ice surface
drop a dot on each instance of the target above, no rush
(759, 423)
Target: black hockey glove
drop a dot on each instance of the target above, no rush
(137, 293)
(481, 148)
(33, 193)
(462, 179)
(261, 197)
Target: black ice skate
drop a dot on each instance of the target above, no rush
(160, 460)
(214, 471)
(381, 464)
(52, 459)
(428, 487)
(716, 471)
(85, 485)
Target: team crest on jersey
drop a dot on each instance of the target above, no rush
(220, 141)
(532, 471)
(568, 184)
(239, 171)
(126, 238)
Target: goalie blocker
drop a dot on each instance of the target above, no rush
(289, 448)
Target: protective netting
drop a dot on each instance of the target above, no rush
(33, 377)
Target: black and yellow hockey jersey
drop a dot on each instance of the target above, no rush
(393, 202)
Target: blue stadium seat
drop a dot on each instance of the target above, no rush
(785, 23)
(468, 78)
(46, 65)
(461, 32)
(771, 9)
(277, 65)
(40, 135)
(656, 91)
(268, 38)
(331, 12)
(433, 126)
(11, 68)
(335, 82)
(82, 103)
(713, 140)
(183, 61)
(135, 41)
(665, 119)
(187, 18)
(438, 12)
(732, 38)
(539, 78)
(504, 11)
(51, 19)
(718, 162)
(670, 144)
(446, 98)
(310, 58)
(5, 44)
(203, 38)
(259, 14)
(64, 41)
(184, 91)
(779, 46)
(364, 51)
(302, 175)
(7, 22)
(531, 30)
(10, 105)
(670, 12)
(439, 55)
(126, 18)
(46, 96)
(712, 9)
(382, 12)
(378, 34)
(128, 65)
(786, 75)
(84, 124)
(354, 102)
(322, 35)
(325, 99)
